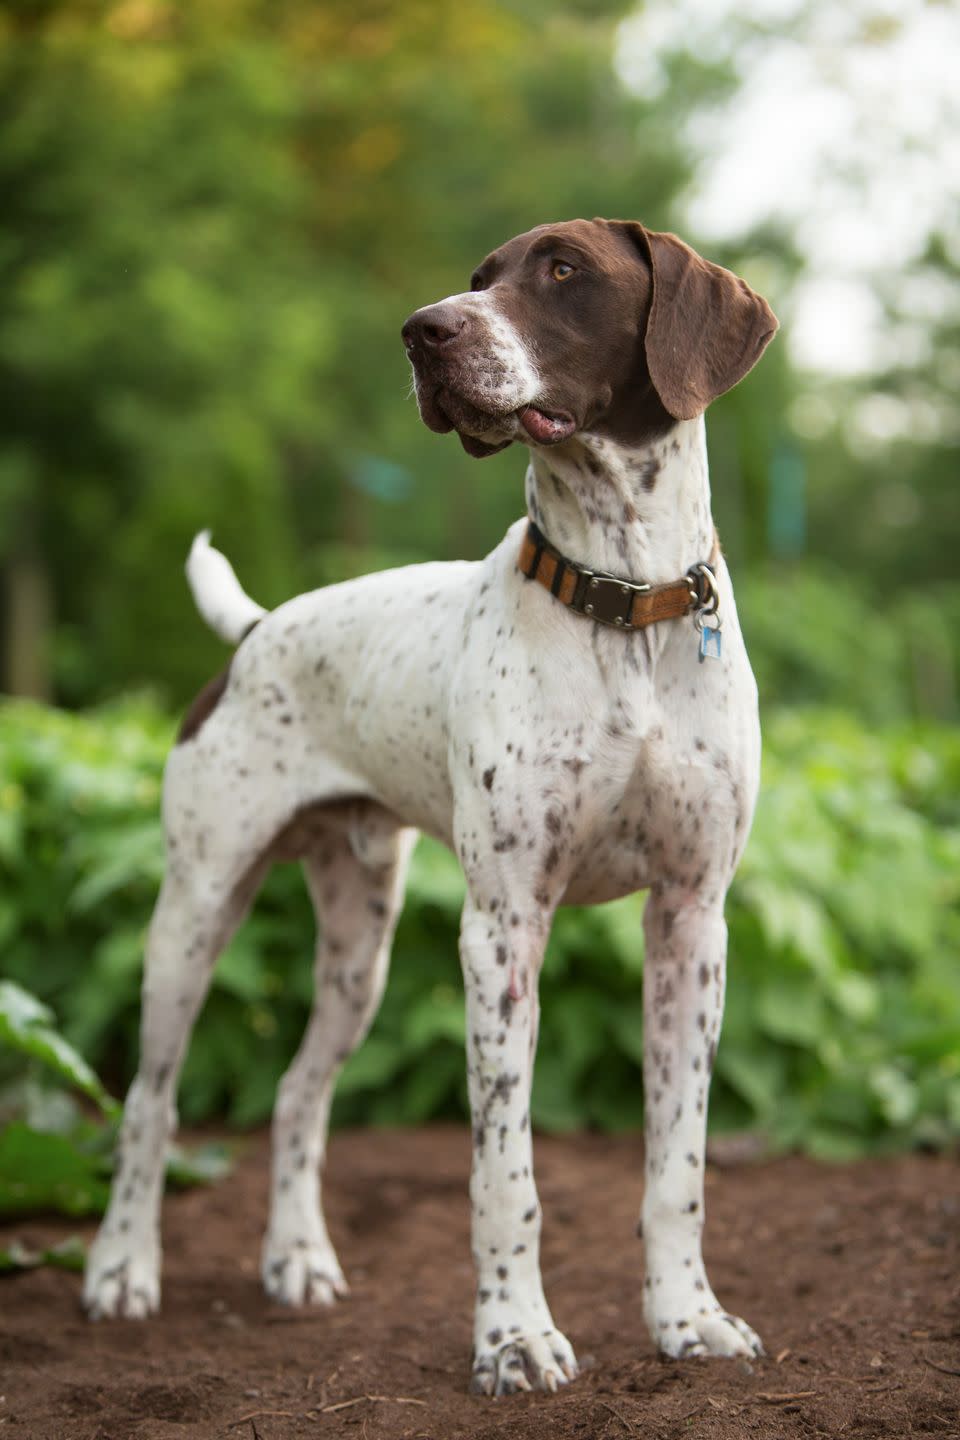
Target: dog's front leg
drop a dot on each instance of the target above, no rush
(684, 978)
(516, 1345)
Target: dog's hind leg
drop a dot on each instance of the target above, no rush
(220, 826)
(356, 874)
(194, 918)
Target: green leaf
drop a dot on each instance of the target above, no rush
(757, 1075)
(25, 1025)
(47, 1172)
(895, 1092)
(428, 1085)
(375, 1063)
(69, 1254)
(439, 1015)
(790, 1008)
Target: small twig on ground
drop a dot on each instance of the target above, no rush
(774, 1397)
(944, 1369)
(321, 1395)
(373, 1399)
(627, 1424)
(258, 1415)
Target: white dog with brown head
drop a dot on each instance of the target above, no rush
(547, 714)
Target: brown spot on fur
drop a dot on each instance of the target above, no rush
(649, 471)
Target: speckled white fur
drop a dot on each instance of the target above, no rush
(563, 762)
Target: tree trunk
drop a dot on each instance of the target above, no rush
(27, 628)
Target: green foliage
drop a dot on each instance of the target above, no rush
(54, 1159)
(51, 1156)
(69, 1254)
(843, 1024)
(26, 1026)
(816, 636)
(843, 1016)
(40, 1168)
(42, 1171)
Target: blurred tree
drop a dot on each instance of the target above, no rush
(824, 168)
(889, 447)
(216, 218)
(153, 349)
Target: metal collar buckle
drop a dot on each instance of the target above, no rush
(704, 592)
(607, 599)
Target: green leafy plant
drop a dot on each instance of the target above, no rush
(44, 1166)
(52, 1156)
(843, 1016)
(69, 1254)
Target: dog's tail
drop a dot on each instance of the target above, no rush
(218, 594)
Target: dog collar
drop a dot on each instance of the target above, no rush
(611, 600)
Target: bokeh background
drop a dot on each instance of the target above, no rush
(214, 218)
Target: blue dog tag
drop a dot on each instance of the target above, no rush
(709, 643)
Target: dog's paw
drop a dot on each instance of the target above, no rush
(121, 1283)
(526, 1362)
(705, 1330)
(302, 1272)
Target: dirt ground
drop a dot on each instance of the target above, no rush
(850, 1273)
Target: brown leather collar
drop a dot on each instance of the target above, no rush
(627, 604)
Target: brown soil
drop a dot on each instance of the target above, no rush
(850, 1273)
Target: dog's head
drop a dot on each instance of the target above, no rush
(586, 325)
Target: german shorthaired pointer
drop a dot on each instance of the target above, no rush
(545, 713)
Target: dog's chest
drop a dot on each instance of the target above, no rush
(665, 778)
(670, 819)
(607, 762)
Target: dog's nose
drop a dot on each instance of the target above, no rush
(433, 327)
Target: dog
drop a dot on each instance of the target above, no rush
(562, 714)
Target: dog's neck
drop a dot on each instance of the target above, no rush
(640, 513)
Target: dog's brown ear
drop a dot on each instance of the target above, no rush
(706, 328)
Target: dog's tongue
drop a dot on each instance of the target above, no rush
(546, 429)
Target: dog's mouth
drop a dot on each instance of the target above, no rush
(545, 426)
(479, 433)
(482, 433)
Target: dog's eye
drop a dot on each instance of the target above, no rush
(561, 270)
